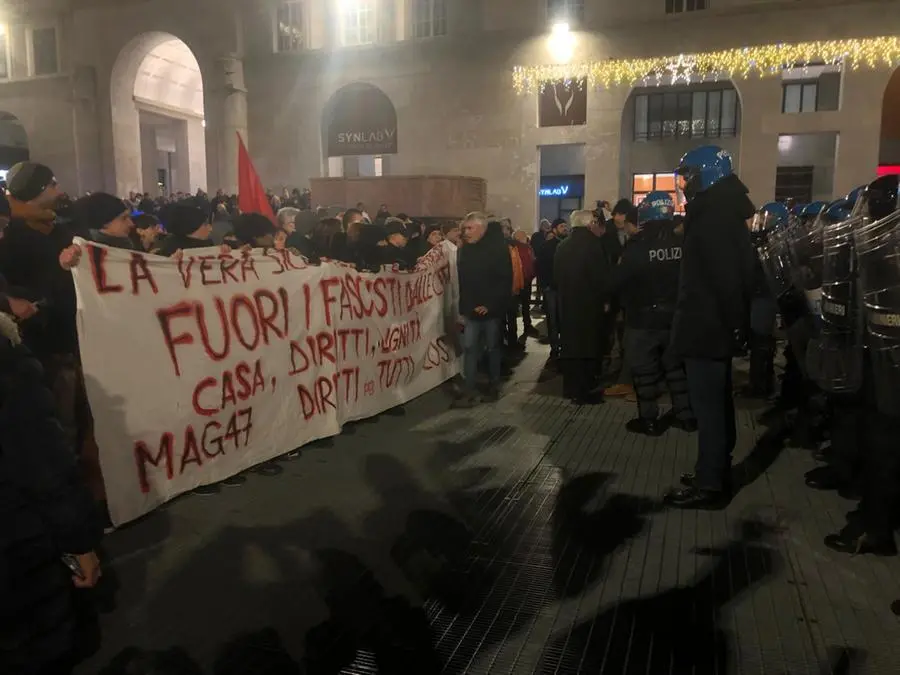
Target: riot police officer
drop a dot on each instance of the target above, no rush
(646, 282)
(834, 357)
(714, 291)
(877, 247)
(763, 306)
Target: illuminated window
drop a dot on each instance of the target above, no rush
(44, 51)
(685, 114)
(289, 26)
(568, 11)
(357, 23)
(643, 184)
(679, 6)
(379, 165)
(429, 18)
(800, 97)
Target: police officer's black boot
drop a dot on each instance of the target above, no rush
(856, 540)
(647, 427)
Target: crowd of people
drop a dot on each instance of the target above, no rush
(636, 299)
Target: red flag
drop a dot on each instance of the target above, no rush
(251, 194)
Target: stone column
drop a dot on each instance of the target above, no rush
(148, 159)
(225, 104)
(196, 148)
(602, 156)
(760, 119)
(182, 160)
(856, 159)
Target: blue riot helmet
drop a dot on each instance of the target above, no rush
(701, 168)
(857, 205)
(837, 211)
(811, 211)
(771, 217)
(657, 205)
(880, 198)
(797, 209)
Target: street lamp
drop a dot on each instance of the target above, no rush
(561, 42)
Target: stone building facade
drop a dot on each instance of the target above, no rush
(276, 73)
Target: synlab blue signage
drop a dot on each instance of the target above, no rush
(562, 187)
(554, 191)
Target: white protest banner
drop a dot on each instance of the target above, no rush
(200, 368)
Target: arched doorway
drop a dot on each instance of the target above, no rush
(662, 122)
(13, 142)
(158, 113)
(359, 131)
(889, 147)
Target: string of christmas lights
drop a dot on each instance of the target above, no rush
(728, 64)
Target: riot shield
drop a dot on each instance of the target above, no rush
(835, 357)
(878, 256)
(805, 242)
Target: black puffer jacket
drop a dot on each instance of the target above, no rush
(485, 276)
(717, 272)
(45, 511)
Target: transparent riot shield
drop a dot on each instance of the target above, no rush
(775, 257)
(835, 357)
(805, 242)
(878, 257)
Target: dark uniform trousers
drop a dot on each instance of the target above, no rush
(763, 312)
(880, 475)
(712, 400)
(848, 434)
(650, 366)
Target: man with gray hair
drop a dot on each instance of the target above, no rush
(484, 268)
(581, 269)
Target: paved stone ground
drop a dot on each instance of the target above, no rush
(524, 536)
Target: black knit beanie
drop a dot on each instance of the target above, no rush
(95, 211)
(27, 180)
(183, 219)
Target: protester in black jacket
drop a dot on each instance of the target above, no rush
(188, 227)
(580, 272)
(715, 287)
(11, 299)
(484, 267)
(545, 255)
(397, 250)
(46, 513)
(106, 218)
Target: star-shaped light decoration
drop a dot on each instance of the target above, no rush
(681, 69)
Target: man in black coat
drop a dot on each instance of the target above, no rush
(544, 261)
(715, 287)
(485, 274)
(46, 513)
(580, 270)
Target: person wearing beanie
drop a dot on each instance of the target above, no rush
(106, 218)
(254, 230)
(9, 304)
(36, 253)
(30, 256)
(396, 252)
(188, 227)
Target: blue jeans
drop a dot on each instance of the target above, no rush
(709, 385)
(478, 335)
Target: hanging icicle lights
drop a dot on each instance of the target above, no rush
(728, 64)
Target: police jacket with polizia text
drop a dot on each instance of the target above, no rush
(646, 279)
